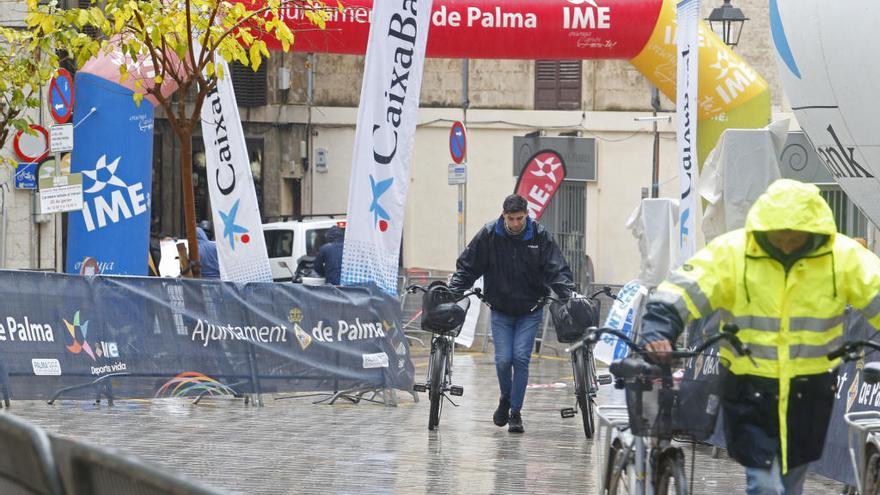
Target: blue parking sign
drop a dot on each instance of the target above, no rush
(26, 176)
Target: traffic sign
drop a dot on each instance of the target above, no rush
(61, 138)
(31, 148)
(61, 193)
(26, 176)
(458, 142)
(61, 96)
(457, 174)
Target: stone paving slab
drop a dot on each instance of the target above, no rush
(294, 446)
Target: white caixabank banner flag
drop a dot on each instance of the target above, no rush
(384, 142)
(686, 104)
(238, 230)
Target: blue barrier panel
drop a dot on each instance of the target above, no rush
(178, 337)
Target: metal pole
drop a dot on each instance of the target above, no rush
(58, 231)
(462, 191)
(655, 171)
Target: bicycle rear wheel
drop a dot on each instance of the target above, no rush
(435, 392)
(582, 383)
(671, 478)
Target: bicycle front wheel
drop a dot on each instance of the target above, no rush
(582, 383)
(872, 473)
(619, 469)
(435, 392)
(671, 478)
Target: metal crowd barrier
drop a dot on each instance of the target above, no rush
(34, 463)
(26, 463)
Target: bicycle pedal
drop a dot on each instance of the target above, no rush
(567, 412)
(456, 390)
(420, 387)
(605, 379)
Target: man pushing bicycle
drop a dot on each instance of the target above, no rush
(785, 280)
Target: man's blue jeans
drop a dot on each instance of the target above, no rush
(514, 339)
(773, 482)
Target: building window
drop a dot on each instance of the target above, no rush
(849, 218)
(557, 84)
(200, 175)
(250, 86)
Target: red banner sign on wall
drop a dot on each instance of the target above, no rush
(499, 29)
(539, 180)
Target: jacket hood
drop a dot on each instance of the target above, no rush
(334, 234)
(527, 234)
(201, 235)
(791, 205)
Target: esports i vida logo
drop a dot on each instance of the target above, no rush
(78, 331)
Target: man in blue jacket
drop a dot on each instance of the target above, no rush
(519, 261)
(210, 264)
(328, 263)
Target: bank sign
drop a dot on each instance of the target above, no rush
(114, 152)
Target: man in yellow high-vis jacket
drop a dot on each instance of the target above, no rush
(785, 280)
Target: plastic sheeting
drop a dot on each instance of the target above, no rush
(179, 337)
(653, 224)
(737, 171)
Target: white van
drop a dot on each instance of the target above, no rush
(289, 240)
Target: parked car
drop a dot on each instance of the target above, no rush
(292, 244)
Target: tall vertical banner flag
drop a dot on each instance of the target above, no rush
(383, 143)
(238, 230)
(539, 181)
(686, 103)
(114, 152)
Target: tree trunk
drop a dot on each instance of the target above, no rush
(189, 200)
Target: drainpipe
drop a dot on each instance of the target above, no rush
(310, 100)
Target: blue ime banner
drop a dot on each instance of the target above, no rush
(114, 152)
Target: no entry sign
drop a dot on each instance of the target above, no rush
(458, 142)
(61, 96)
(31, 148)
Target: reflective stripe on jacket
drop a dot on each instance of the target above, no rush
(792, 319)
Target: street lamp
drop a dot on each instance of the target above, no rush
(727, 22)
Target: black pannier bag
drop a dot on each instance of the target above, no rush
(572, 318)
(441, 313)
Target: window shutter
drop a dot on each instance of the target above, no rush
(250, 86)
(557, 84)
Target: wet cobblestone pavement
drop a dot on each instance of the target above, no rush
(294, 446)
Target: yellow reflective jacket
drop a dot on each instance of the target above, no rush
(790, 320)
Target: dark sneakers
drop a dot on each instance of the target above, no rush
(516, 425)
(502, 413)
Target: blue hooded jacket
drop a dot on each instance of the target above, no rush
(328, 263)
(207, 255)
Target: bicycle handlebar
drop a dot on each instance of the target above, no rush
(650, 363)
(847, 351)
(548, 298)
(464, 295)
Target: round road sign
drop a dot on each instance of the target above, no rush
(458, 142)
(30, 148)
(61, 97)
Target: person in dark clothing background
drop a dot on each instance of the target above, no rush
(207, 255)
(519, 262)
(328, 263)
